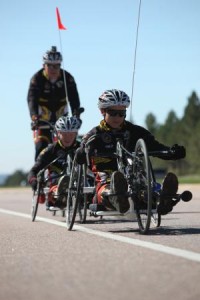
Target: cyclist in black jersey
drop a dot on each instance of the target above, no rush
(66, 129)
(113, 105)
(51, 91)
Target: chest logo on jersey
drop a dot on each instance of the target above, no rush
(59, 84)
(106, 138)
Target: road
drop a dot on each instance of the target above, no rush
(106, 259)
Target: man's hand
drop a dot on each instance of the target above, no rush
(80, 156)
(34, 123)
(78, 111)
(33, 183)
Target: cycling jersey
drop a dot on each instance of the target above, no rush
(106, 139)
(48, 99)
(48, 155)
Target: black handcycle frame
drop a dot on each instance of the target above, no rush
(42, 183)
(139, 174)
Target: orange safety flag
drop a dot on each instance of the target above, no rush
(60, 25)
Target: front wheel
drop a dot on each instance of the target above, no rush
(73, 199)
(142, 187)
(35, 202)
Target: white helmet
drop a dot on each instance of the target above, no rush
(68, 124)
(113, 98)
(52, 56)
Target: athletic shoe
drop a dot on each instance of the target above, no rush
(169, 190)
(119, 187)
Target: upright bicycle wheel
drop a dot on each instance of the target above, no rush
(73, 198)
(34, 207)
(142, 186)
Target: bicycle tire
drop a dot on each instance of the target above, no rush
(143, 189)
(73, 194)
(35, 203)
(155, 216)
(82, 207)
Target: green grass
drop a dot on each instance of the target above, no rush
(189, 179)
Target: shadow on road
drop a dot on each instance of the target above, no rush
(174, 231)
(161, 231)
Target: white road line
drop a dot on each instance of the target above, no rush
(189, 255)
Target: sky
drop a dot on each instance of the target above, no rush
(98, 49)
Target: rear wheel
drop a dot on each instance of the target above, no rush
(142, 187)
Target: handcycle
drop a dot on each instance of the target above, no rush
(43, 185)
(143, 195)
(46, 178)
(43, 178)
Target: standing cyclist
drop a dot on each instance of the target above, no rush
(47, 97)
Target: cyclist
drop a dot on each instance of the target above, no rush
(47, 96)
(66, 129)
(113, 104)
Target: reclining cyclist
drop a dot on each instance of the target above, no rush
(66, 129)
(113, 104)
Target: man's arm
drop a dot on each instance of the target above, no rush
(32, 97)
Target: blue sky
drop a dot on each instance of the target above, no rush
(98, 49)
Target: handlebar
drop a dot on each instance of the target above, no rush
(42, 124)
(90, 140)
(160, 153)
(40, 175)
(78, 111)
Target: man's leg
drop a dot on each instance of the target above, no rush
(169, 189)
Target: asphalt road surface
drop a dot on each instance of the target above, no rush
(102, 259)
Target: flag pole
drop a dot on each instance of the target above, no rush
(65, 83)
(62, 27)
(135, 56)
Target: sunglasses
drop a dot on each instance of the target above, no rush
(53, 66)
(115, 112)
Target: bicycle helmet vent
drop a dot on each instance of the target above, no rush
(52, 56)
(113, 98)
(68, 124)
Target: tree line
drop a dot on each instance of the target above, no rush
(183, 131)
